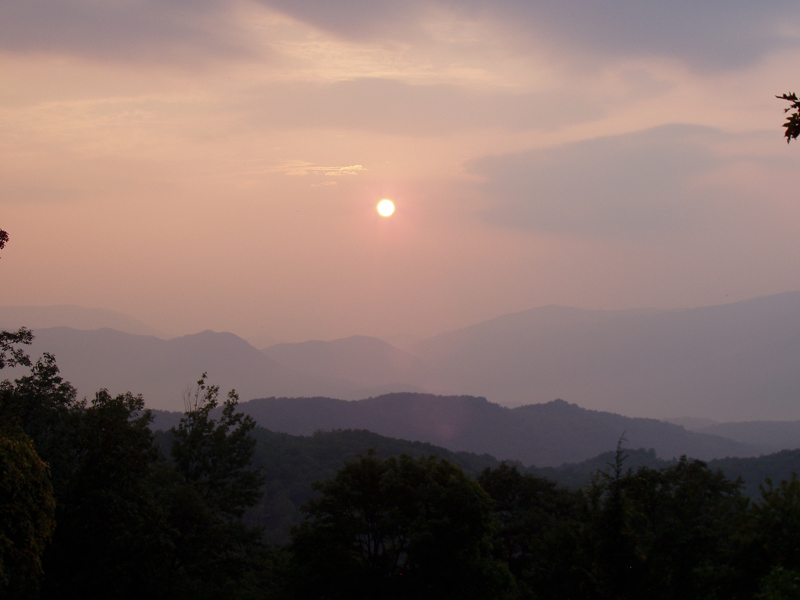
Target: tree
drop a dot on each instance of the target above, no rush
(8, 339)
(11, 356)
(27, 511)
(215, 456)
(205, 491)
(792, 123)
(112, 537)
(46, 408)
(537, 532)
(665, 533)
(397, 528)
(772, 553)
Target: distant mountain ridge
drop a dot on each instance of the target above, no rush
(733, 362)
(161, 370)
(776, 435)
(737, 361)
(75, 317)
(542, 435)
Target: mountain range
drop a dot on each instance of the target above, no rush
(547, 434)
(733, 362)
(75, 317)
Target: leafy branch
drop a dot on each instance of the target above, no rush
(792, 123)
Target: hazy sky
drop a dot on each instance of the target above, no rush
(216, 164)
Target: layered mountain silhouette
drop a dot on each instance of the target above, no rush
(69, 315)
(775, 435)
(162, 370)
(732, 362)
(547, 434)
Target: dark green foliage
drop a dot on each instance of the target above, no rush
(100, 457)
(215, 456)
(792, 124)
(770, 556)
(754, 471)
(106, 513)
(777, 520)
(11, 356)
(292, 463)
(213, 554)
(577, 475)
(46, 408)
(537, 532)
(397, 528)
(663, 533)
(27, 511)
(209, 556)
(780, 584)
(130, 524)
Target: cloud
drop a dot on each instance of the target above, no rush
(387, 106)
(709, 35)
(624, 185)
(299, 167)
(144, 30)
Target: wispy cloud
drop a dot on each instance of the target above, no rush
(709, 35)
(299, 167)
(715, 34)
(611, 186)
(150, 31)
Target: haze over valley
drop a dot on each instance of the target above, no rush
(732, 362)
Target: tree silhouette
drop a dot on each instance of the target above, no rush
(792, 123)
(397, 528)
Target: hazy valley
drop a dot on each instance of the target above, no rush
(734, 362)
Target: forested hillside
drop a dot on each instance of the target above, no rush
(92, 500)
(540, 434)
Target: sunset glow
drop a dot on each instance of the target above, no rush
(546, 154)
(386, 208)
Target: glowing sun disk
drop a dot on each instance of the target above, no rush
(385, 207)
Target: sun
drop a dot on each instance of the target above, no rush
(385, 207)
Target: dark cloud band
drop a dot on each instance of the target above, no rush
(616, 186)
(709, 35)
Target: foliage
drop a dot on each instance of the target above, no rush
(204, 492)
(770, 554)
(663, 533)
(291, 463)
(757, 469)
(215, 456)
(3, 239)
(537, 532)
(780, 584)
(46, 408)
(777, 518)
(792, 123)
(578, 475)
(27, 510)
(397, 528)
(131, 524)
(107, 517)
(11, 356)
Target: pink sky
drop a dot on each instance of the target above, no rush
(217, 164)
